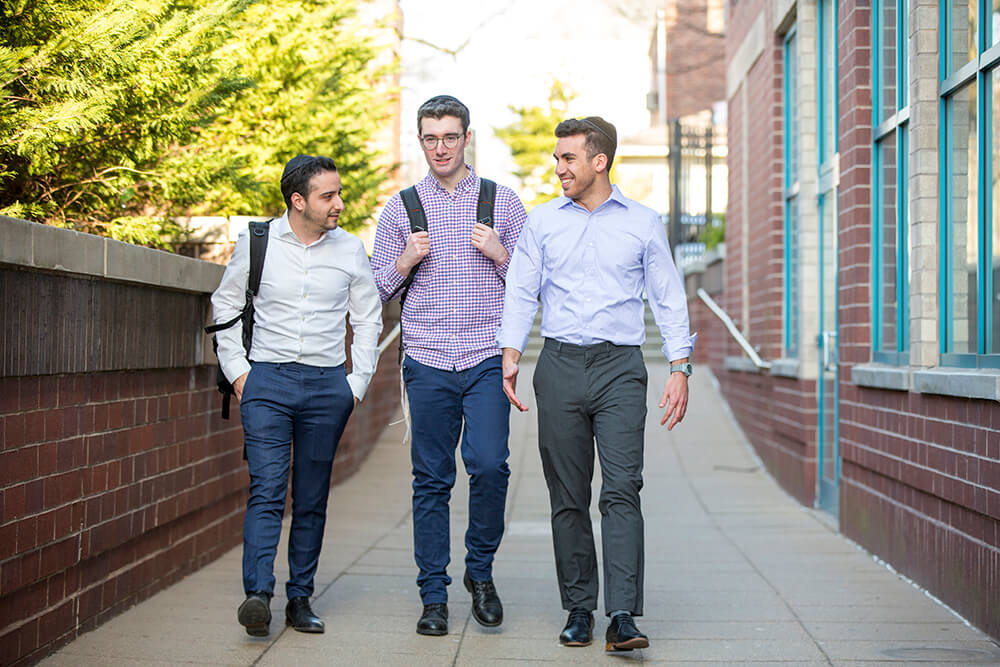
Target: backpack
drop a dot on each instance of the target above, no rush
(418, 223)
(258, 248)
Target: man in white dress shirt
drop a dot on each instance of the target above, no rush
(292, 385)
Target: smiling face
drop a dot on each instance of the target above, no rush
(447, 164)
(322, 208)
(576, 172)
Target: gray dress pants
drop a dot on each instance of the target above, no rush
(587, 392)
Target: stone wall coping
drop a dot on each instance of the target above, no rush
(741, 364)
(882, 376)
(37, 246)
(786, 367)
(961, 382)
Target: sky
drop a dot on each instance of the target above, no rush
(509, 52)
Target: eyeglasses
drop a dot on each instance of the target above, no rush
(430, 142)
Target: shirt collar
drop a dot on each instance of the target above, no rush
(616, 196)
(470, 180)
(285, 231)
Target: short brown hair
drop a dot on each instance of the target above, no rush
(600, 135)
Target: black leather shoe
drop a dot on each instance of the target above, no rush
(300, 616)
(255, 613)
(579, 630)
(486, 607)
(622, 635)
(434, 620)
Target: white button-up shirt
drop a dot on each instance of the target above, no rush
(306, 292)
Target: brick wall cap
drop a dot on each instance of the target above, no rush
(34, 245)
(962, 382)
(882, 376)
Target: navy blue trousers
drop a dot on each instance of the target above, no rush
(285, 407)
(440, 401)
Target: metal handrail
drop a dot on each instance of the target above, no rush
(736, 333)
(387, 341)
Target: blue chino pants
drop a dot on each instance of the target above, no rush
(440, 403)
(284, 407)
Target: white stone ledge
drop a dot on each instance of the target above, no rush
(788, 368)
(962, 382)
(882, 376)
(38, 246)
(741, 364)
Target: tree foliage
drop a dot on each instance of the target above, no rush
(115, 116)
(531, 141)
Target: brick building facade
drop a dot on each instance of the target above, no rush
(118, 475)
(862, 262)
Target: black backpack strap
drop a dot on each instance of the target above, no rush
(414, 209)
(418, 223)
(259, 232)
(484, 208)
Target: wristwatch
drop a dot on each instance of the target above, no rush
(685, 368)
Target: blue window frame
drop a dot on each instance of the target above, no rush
(791, 183)
(891, 115)
(970, 233)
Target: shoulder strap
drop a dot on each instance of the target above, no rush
(484, 208)
(418, 223)
(258, 248)
(414, 209)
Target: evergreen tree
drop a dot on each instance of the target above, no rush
(116, 115)
(531, 141)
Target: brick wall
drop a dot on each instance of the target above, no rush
(117, 474)
(920, 476)
(920, 483)
(696, 71)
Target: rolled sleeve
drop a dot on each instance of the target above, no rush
(390, 241)
(513, 216)
(667, 296)
(365, 309)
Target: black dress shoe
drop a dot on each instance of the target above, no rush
(486, 607)
(255, 613)
(300, 616)
(622, 635)
(579, 630)
(434, 620)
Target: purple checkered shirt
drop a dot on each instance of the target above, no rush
(455, 303)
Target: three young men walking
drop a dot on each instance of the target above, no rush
(588, 256)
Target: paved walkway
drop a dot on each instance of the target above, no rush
(737, 572)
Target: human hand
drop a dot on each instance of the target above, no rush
(510, 359)
(238, 385)
(675, 399)
(418, 245)
(487, 241)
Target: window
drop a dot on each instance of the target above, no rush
(970, 132)
(791, 124)
(890, 106)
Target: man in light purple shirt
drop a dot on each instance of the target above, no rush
(590, 255)
(452, 366)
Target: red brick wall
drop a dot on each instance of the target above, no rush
(777, 414)
(696, 65)
(114, 485)
(920, 483)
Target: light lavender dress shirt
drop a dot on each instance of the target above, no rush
(590, 269)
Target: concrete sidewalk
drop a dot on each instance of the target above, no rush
(736, 572)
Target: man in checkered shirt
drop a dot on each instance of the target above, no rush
(452, 366)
